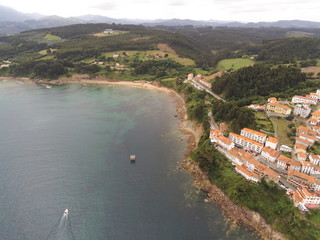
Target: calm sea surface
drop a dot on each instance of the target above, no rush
(69, 147)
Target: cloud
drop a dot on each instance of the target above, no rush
(177, 3)
(106, 6)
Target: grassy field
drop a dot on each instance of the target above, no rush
(234, 63)
(102, 34)
(263, 122)
(282, 129)
(51, 37)
(152, 54)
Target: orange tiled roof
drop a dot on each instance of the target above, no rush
(305, 193)
(247, 139)
(296, 196)
(276, 104)
(302, 155)
(307, 164)
(224, 140)
(300, 146)
(271, 152)
(254, 132)
(307, 136)
(316, 113)
(283, 158)
(310, 179)
(314, 156)
(249, 173)
(272, 139)
(268, 171)
(304, 141)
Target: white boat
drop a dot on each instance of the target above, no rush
(66, 212)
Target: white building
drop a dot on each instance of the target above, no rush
(272, 143)
(314, 158)
(303, 196)
(287, 163)
(307, 167)
(251, 176)
(301, 156)
(254, 135)
(270, 154)
(285, 148)
(302, 110)
(246, 143)
(301, 99)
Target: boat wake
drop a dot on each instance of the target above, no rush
(62, 230)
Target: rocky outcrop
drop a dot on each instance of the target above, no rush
(235, 213)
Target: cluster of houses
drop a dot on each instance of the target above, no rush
(198, 82)
(242, 150)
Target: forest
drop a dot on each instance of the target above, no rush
(257, 80)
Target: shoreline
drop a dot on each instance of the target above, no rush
(193, 131)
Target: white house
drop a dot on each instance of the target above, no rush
(251, 176)
(302, 110)
(272, 142)
(246, 143)
(314, 158)
(307, 167)
(301, 156)
(270, 154)
(301, 99)
(254, 135)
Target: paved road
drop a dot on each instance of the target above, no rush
(213, 124)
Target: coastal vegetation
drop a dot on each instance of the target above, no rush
(258, 80)
(265, 197)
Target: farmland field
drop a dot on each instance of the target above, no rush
(234, 63)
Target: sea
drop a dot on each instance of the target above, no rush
(68, 147)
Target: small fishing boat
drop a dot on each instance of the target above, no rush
(66, 212)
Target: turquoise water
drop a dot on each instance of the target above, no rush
(69, 147)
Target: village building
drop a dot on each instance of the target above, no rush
(272, 99)
(214, 134)
(301, 179)
(309, 138)
(302, 110)
(246, 143)
(109, 31)
(305, 130)
(313, 122)
(300, 148)
(303, 142)
(269, 174)
(270, 154)
(285, 148)
(257, 108)
(243, 170)
(254, 135)
(316, 115)
(314, 158)
(190, 76)
(272, 142)
(307, 167)
(235, 156)
(224, 143)
(315, 171)
(301, 156)
(314, 95)
(301, 99)
(278, 108)
(305, 197)
(284, 162)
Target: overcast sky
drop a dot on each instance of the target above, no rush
(225, 10)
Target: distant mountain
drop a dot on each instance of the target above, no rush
(13, 22)
(10, 15)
